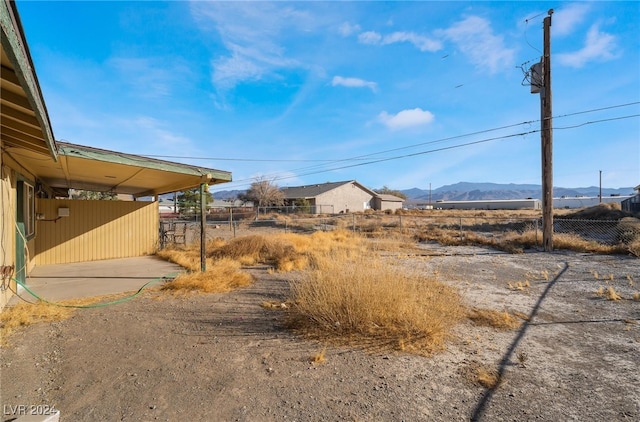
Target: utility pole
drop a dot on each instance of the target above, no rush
(600, 196)
(547, 140)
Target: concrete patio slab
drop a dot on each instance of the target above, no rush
(86, 279)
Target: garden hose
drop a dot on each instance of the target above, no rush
(97, 305)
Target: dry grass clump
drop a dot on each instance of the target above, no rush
(222, 276)
(286, 252)
(609, 294)
(187, 257)
(362, 300)
(481, 374)
(496, 319)
(25, 314)
(575, 243)
(319, 357)
(487, 377)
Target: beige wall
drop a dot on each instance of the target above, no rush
(387, 205)
(346, 197)
(94, 230)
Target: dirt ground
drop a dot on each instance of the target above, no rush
(223, 357)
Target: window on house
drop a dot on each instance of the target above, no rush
(27, 208)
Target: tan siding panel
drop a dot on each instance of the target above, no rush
(95, 230)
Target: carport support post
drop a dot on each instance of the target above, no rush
(203, 227)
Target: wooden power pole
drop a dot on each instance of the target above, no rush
(547, 140)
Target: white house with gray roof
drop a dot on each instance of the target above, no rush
(340, 197)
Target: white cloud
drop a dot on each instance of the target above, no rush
(421, 42)
(253, 33)
(565, 20)
(599, 46)
(475, 38)
(406, 118)
(353, 83)
(370, 37)
(347, 29)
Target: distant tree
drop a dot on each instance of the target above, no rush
(386, 191)
(91, 195)
(189, 200)
(263, 193)
(302, 205)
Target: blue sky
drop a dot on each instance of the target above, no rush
(402, 94)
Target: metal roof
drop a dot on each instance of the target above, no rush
(389, 198)
(311, 191)
(88, 168)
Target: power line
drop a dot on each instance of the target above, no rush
(277, 177)
(598, 121)
(399, 148)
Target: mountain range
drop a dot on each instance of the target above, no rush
(468, 191)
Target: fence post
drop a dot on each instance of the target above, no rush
(461, 229)
(354, 222)
(230, 218)
(400, 223)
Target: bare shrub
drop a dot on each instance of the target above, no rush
(363, 300)
(609, 293)
(496, 319)
(480, 374)
(222, 276)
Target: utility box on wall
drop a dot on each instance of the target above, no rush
(63, 212)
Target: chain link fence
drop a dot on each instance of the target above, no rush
(605, 232)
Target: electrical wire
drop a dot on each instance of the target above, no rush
(598, 121)
(529, 122)
(526, 28)
(276, 177)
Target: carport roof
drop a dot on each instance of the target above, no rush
(88, 168)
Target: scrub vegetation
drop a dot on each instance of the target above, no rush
(24, 314)
(344, 291)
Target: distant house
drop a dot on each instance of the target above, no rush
(340, 197)
(632, 204)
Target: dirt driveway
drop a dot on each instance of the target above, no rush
(225, 358)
